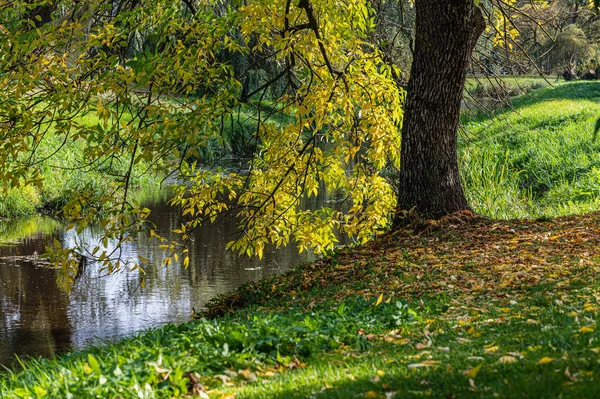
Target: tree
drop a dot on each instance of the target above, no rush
(160, 84)
(429, 178)
(159, 87)
(568, 49)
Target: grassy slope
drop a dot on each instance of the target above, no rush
(538, 159)
(477, 308)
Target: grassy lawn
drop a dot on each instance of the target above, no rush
(536, 158)
(464, 307)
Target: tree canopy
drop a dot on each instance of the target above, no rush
(309, 92)
(147, 87)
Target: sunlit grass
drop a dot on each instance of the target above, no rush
(538, 159)
(65, 169)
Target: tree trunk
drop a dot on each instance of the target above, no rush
(41, 14)
(575, 13)
(446, 34)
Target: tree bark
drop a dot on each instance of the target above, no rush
(41, 14)
(575, 13)
(446, 34)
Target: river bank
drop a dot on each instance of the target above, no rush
(462, 307)
(37, 318)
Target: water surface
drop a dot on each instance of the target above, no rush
(38, 319)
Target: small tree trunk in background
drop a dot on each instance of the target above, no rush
(575, 13)
(41, 14)
(446, 34)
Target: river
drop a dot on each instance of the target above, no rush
(38, 319)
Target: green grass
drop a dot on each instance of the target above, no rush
(19, 202)
(537, 159)
(67, 170)
(468, 308)
(299, 353)
(64, 171)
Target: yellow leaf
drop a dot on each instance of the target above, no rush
(379, 299)
(87, 369)
(587, 329)
(371, 395)
(545, 360)
(473, 372)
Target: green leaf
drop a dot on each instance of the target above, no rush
(597, 127)
(93, 362)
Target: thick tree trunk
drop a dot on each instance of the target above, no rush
(446, 34)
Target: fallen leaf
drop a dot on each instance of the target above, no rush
(224, 379)
(197, 388)
(568, 375)
(545, 360)
(247, 374)
(418, 365)
(507, 359)
(431, 362)
(587, 329)
(371, 395)
(473, 372)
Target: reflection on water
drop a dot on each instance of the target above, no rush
(37, 319)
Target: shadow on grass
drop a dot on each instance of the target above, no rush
(567, 91)
(516, 380)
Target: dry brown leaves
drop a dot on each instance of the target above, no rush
(462, 256)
